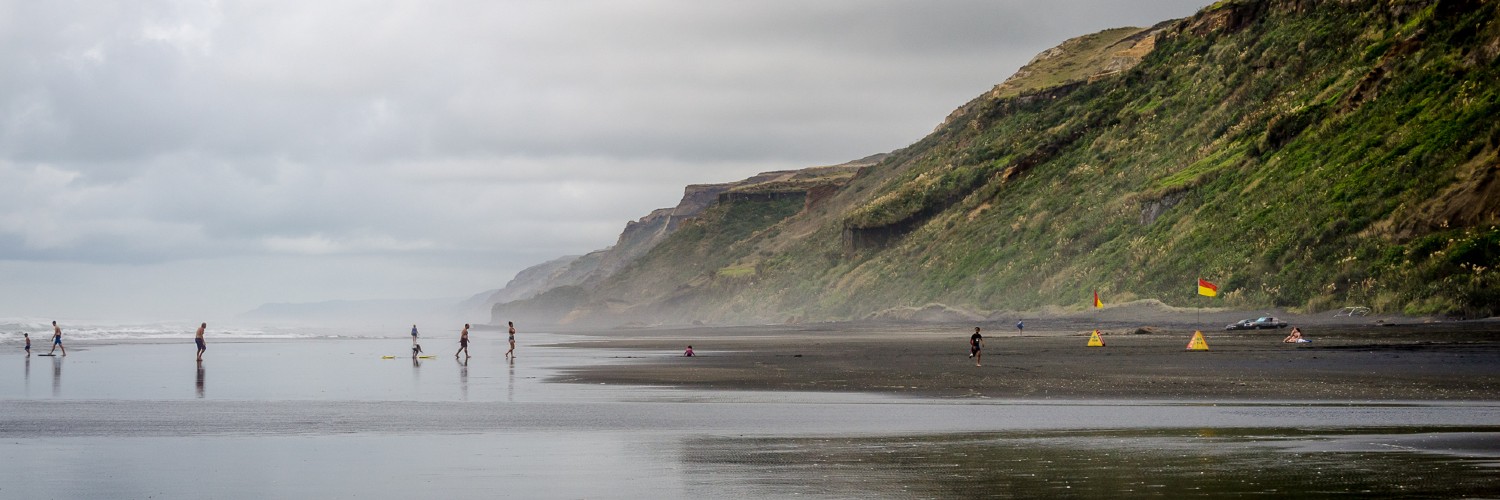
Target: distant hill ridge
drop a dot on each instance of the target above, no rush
(1302, 154)
(644, 234)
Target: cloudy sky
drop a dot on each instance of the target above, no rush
(195, 159)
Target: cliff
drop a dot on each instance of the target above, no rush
(1301, 154)
(573, 277)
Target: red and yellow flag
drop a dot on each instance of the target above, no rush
(1206, 288)
(1097, 304)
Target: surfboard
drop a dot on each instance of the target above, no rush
(46, 355)
(382, 357)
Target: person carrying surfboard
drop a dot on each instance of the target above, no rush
(57, 340)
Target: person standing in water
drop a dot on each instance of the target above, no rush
(463, 342)
(199, 340)
(57, 340)
(413, 334)
(509, 354)
(976, 343)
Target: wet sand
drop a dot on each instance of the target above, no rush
(329, 418)
(1051, 360)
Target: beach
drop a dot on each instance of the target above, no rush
(1051, 360)
(620, 414)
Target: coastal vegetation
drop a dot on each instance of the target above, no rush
(1302, 155)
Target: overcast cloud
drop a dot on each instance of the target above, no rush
(186, 160)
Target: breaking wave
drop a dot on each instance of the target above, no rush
(41, 330)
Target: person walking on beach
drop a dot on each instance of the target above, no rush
(199, 340)
(28, 344)
(1020, 326)
(509, 354)
(413, 334)
(463, 342)
(976, 343)
(688, 352)
(57, 340)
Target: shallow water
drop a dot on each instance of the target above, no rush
(329, 418)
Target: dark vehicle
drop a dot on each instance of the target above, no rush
(1243, 324)
(1267, 322)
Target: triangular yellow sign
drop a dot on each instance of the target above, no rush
(1197, 344)
(1095, 340)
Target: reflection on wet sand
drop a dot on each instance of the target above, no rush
(56, 376)
(463, 378)
(200, 379)
(510, 386)
(27, 380)
(1162, 463)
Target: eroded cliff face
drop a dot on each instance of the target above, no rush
(640, 236)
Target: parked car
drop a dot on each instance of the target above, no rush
(1267, 322)
(1243, 324)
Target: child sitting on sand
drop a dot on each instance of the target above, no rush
(1295, 337)
(688, 352)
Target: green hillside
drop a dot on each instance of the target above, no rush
(1307, 155)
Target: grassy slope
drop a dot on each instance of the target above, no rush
(1280, 170)
(1076, 59)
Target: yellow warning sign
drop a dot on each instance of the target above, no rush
(1197, 344)
(1095, 340)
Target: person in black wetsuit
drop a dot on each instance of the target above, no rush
(976, 343)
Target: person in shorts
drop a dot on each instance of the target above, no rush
(57, 340)
(28, 344)
(199, 340)
(463, 342)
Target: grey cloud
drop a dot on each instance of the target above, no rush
(237, 139)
